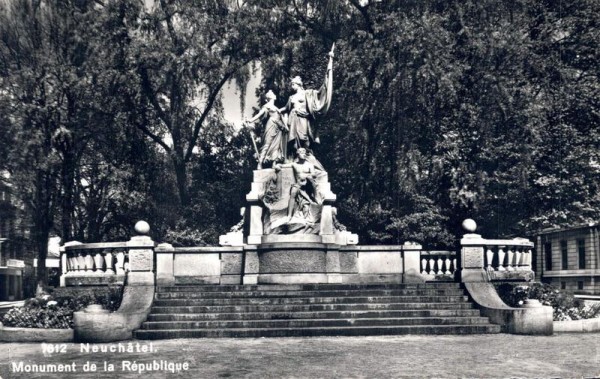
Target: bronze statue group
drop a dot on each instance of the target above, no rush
(288, 135)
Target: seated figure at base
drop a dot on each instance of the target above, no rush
(303, 193)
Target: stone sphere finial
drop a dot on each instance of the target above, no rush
(469, 225)
(142, 228)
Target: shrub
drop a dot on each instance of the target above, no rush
(56, 310)
(565, 305)
(80, 297)
(48, 317)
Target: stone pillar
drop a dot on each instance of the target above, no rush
(412, 263)
(63, 267)
(256, 225)
(255, 211)
(471, 255)
(164, 265)
(251, 266)
(141, 257)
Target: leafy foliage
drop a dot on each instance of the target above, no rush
(565, 306)
(56, 311)
(448, 110)
(112, 111)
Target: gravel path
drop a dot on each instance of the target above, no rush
(473, 356)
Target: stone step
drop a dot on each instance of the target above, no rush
(317, 314)
(302, 287)
(320, 293)
(306, 307)
(198, 311)
(310, 300)
(316, 331)
(304, 323)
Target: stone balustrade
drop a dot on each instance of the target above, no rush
(438, 264)
(94, 263)
(511, 255)
(95, 324)
(484, 260)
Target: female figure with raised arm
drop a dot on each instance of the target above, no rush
(304, 106)
(274, 136)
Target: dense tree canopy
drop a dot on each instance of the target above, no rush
(112, 111)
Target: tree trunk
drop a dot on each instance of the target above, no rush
(42, 223)
(67, 203)
(182, 185)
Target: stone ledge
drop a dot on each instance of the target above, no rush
(118, 326)
(529, 321)
(577, 326)
(8, 334)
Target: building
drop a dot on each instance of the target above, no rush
(13, 245)
(569, 258)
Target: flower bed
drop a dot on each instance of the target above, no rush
(55, 310)
(566, 307)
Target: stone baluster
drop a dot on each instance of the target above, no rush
(489, 257)
(83, 262)
(518, 258)
(447, 261)
(454, 264)
(89, 261)
(108, 260)
(423, 266)
(80, 262)
(120, 263)
(439, 266)
(98, 263)
(511, 257)
(432, 266)
(73, 264)
(70, 264)
(501, 255)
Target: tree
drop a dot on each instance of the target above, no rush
(454, 110)
(177, 61)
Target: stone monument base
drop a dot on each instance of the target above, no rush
(298, 262)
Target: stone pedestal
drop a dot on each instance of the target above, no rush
(292, 262)
(280, 249)
(471, 257)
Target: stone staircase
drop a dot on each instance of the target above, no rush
(312, 310)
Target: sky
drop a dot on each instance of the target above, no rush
(231, 100)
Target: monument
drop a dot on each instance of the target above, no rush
(290, 216)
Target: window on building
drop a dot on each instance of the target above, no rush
(564, 254)
(580, 285)
(548, 256)
(581, 253)
(563, 285)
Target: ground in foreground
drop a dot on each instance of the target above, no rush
(479, 356)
